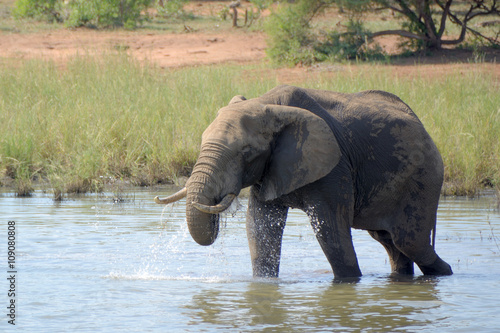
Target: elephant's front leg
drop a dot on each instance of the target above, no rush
(265, 225)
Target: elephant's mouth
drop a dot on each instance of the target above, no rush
(218, 208)
(209, 209)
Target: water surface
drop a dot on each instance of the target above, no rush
(91, 264)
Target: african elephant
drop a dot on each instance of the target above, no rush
(361, 160)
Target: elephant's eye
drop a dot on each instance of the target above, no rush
(247, 151)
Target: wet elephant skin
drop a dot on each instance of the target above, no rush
(361, 160)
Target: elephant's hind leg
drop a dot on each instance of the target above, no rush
(414, 241)
(400, 263)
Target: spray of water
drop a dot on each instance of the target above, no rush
(173, 255)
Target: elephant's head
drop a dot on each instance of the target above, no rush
(280, 148)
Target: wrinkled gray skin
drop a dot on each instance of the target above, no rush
(360, 160)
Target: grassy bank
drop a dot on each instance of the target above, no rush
(94, 120)
(77, 127)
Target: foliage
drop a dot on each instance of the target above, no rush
(107, 13)
(426, 20)
(290, 38)
(171, 8)
(422, 22)
(100, 13)
(38, 9)
(351, 44)
(260, 6)
(253, 11)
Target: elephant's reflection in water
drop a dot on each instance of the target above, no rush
(382, 304)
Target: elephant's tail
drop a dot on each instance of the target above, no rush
(433, 238)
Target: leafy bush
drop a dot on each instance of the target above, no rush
(290, 38)
(75, 13)
(39, 9)
(82, 13)
(171, 8)
(107, 13)
(293, 41)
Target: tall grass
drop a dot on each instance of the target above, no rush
(106, 118)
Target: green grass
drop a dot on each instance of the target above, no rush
(77, 127)
(98, 119)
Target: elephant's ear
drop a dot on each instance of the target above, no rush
(237, 99)
(305, 150)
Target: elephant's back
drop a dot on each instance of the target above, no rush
(380, 119)
(376, 105)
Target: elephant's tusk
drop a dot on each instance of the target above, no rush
(216, 209)
(172, 198)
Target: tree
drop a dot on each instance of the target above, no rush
(423, 21)
(428, 19)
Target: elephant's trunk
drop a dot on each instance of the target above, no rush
(203, 227)
(207, 195)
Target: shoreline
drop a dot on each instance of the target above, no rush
(8, 185)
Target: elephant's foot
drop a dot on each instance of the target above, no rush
(354, 279)
(438, 267)
(403, 268)
(265, 273)
(401, 264)
(346, 273)
(266, 268)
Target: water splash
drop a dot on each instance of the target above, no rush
(169, 253)
(234, 208)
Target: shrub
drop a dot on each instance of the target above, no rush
(293, 40)
(171, 8)
(290, 38)
(75, 13)
(82, 13)
(38, 9)
(351, 44)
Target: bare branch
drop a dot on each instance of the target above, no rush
(463, 24)
(411, 15)
(402, 33)
(491, 40)
(485, 13)
(395, 9)
(444, 16)
(426, 15)
(320, 5)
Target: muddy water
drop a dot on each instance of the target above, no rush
(90, 264)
